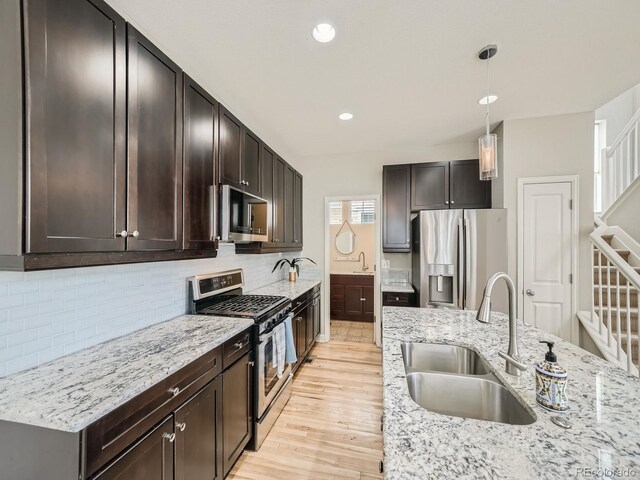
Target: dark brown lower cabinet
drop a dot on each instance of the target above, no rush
(299, 330)
(398, 299)
(306, 323)
(198, 428)
(352, 297)
(237, 418)
(151, 458)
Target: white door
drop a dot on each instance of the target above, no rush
(547, 256)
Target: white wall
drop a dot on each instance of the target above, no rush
(624, 212)
(45, 315)
(549, 146)
(618, 112)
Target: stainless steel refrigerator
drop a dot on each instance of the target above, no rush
(454, 252)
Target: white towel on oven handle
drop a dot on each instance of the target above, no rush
(279, 347)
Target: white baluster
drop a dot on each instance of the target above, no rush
(628, 312)
(618, 330)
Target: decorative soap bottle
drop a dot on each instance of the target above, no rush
(551, 382)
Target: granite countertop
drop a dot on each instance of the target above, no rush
(604, 409)
(286, 288)
(70, 393)
(397, 287)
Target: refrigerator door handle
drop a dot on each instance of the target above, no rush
(461, 262)
(470, 277)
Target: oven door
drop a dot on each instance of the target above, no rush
(268, 382)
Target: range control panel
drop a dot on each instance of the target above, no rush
(214, 283)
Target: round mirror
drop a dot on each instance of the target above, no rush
(346, 242)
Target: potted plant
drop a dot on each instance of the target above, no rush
(294, 266)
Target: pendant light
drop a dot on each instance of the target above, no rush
(488, 143)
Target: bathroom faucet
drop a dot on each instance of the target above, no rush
(364, 261)
(514, 365)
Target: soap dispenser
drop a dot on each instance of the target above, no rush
(551, 382)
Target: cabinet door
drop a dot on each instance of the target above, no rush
(152, 457)
(289, 208)
(198, 430)
(155, 147)
(301, 332)
(309, 327)
(368, 303)
(251, 168)
(75, 62)
(429, 186)
(317, 316)
(297, 209)
(200, 199)
(396, 225)
(466, 190)
(231, 132)
(353, 301)
(267, 161)
(237, 417)
(279, 168)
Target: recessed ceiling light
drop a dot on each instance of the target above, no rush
(345, 116)
(488, 99)
(323, 32)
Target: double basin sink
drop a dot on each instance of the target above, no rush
(457, 381)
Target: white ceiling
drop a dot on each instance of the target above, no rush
(407, 69)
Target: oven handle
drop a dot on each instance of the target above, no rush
(266, 336)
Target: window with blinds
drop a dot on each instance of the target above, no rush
(335, 213)
(363, 211)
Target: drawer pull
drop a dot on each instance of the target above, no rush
(238, 345)
(181, 426)
(363, 299)
(169, 436)
(397, 299)
(174, 391)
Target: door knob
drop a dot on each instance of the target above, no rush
(530, 292)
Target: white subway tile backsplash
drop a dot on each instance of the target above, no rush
(45, 315)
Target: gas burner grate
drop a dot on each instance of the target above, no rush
(245, 305)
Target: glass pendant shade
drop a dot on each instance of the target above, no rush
(488, 156)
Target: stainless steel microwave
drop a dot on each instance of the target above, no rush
(245, 217)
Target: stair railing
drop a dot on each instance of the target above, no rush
(621, 163)
(617, 283)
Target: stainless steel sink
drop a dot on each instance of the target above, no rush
(433, 357)
(468, 397)
(457, 381)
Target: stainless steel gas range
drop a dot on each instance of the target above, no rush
(220, 294)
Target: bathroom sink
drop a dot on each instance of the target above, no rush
(468, 397)
(433, 357)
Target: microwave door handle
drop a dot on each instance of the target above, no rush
(211, 191)
(460, 267)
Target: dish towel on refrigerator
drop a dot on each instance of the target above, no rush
(279, 347)
(290, 346)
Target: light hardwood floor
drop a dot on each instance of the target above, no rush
(330, 429)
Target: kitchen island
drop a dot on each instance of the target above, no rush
(604, 409)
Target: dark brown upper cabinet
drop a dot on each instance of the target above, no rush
(251, 168)
(200, 149)
(429, 186)
(297, 208)
(279, 199)
(267, 161)
(75, 85)
(289, 204)
(154, 147)
(396, 225)
(230, 148)
(466, 190)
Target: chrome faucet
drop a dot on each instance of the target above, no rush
(513, 363)
(364, 261)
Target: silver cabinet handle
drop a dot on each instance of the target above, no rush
(238, 345)
(397, 299)
(452, 202)
(363, 299)
(530, 292)
(174, 391)
(181, 426)
(135, 234)
(169, 436)
(246, 183)
(123, 234)
(251, 364)
(446, 202)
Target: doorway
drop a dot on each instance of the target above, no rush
(351, 273)
(547, 254)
